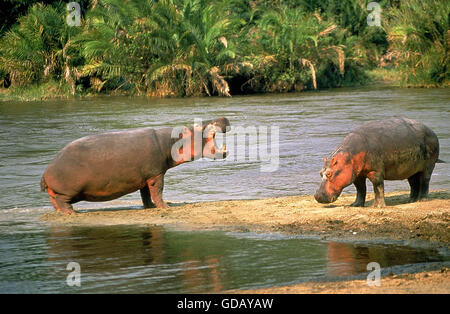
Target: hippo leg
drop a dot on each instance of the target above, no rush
(55, 205)
(156, 186)
(377, 180)
(425, 182)
(146, 199)
(415, 183)
(62, 204)
(424, 188)
(360, 184)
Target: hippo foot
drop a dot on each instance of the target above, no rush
(357, 204)
(147, 206)
(162, 205)
(379, 204)
(64, 211)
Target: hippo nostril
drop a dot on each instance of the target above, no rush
(323, 198)
(319, 198)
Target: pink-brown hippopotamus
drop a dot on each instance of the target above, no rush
(107, 166)
(390, 149)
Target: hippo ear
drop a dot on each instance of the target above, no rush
(224, 124)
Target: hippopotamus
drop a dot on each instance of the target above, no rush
(396, 148)
(107, 166)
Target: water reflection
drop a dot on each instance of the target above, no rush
(152, 259)
(346, 259)
(143, 259)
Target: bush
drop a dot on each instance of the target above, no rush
(419, 38)
(198, 47)
(37, 49)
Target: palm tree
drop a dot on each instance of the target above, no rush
(36, 49)
(293, 48)
(201, 48)
(161, 48)
(108, 42)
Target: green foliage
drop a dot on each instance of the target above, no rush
(199, 47)
(39, 91)
(37, 49)
(11, 10)
(163, 48)
(419, 39)
(352, 16)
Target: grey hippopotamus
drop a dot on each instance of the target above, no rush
(106, 166)
(390, 149)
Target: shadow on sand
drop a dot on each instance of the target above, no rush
(127, 207)
(398, 199)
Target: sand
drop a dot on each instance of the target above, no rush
(432, 282)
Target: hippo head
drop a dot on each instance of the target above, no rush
(337, 173)
(199, 141)
(209, 145)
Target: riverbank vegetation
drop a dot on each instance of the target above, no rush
(226, 47)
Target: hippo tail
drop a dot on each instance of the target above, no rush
(440, 161)
(44, 185)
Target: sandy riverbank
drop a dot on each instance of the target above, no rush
(424, 282)
(426, 221)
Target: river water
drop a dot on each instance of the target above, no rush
(310, 125)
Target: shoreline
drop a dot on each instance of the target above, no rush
(377, 78)
(421, 223)
(425, 282)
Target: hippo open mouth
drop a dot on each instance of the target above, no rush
(211, 148)
(220, 152)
